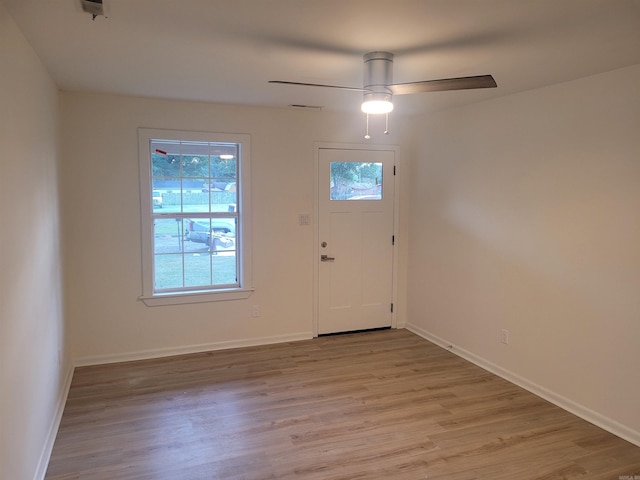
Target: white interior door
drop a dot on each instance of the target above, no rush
(355, 227)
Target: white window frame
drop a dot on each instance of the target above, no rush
(243, 239)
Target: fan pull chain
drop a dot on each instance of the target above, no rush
(366, 135)
(386, 127)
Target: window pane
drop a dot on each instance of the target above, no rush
(356, 181)
(223, 186)
(224, 169)
(225, 268)
(203, 269)
(197, 234)
(195, 195)
(224, 235)
(197, 270)
(167, 236)
(165, 195)
(217, 234)
(225, 199)
(195, 166)
(169, 271)
(165, 159)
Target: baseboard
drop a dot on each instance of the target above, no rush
(45, 455)
(183, 350)
(575, 408)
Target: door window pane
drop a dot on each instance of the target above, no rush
(356, 181)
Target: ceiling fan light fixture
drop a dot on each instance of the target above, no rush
(377, 103)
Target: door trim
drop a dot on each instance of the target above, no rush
(316, 222)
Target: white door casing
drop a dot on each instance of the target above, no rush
(355, 280)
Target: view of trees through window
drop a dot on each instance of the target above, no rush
(356, 181)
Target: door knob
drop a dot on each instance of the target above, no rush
(326, 258)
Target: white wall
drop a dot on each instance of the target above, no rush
(34, 368)
(525, 215)
(102, 225)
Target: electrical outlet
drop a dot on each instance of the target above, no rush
(504, 336)
(256, 311)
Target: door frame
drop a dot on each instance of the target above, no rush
(316, 222)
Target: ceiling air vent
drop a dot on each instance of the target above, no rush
(307, 107)
(94, 7)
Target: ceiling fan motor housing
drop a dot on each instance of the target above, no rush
(378, 75)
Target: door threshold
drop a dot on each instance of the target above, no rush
(349, 332)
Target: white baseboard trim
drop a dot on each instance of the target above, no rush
(575, 408)
(45, 455)
(183, 350)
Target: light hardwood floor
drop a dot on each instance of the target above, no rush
(374, 405)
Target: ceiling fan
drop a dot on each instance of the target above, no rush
(378, 87)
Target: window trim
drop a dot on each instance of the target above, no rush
(145, 135)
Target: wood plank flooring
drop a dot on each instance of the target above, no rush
(374, 405)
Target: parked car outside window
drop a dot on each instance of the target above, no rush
(157, 198)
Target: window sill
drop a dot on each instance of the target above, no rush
(196, 297)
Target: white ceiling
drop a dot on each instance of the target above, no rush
(226, 50)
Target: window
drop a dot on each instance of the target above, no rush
(195, 209)
(356, 181)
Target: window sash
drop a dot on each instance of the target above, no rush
(198, 245)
